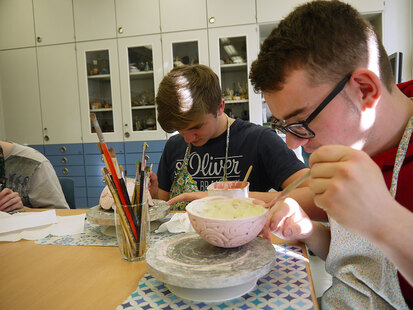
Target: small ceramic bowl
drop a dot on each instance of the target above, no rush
(228, 188)
(227, 221)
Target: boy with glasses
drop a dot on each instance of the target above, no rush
(327, 80)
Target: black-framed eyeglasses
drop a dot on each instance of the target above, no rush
(301, 129)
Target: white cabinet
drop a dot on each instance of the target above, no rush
(98, 74)
(137, 17)
(20, 96)
(367, 6)
(94, 19)
(53, 21)
(16, 24)
(140, 63)
(181, 15)
(185, 47)
(232, 50)
(230, 12)
(275, 10)
(59, 94)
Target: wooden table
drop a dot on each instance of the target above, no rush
(36, 276)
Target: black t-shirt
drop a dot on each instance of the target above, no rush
(249, 144)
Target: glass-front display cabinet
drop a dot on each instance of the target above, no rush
(99, 89)
(140, 62)
(232, 51)
(184, 48)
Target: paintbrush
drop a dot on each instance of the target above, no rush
(109, 163)
(290, 188)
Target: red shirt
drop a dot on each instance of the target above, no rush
(404, 194)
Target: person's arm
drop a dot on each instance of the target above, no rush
(45, 190)
(10, 200)
(349, 185)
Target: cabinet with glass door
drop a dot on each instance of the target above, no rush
(99, 89)
(140, 62)
(185, 48)
(232, 50)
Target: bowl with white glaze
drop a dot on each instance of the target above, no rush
(227, 221)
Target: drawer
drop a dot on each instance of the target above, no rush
(66, 160)
(81, 202)
(92, 159)
(132, 170)
(80, 191)
(95, 181)
(92, 201)
(92, 148)
(154, 158)
(70, 171)
(153, 146)
(38, 147)
(94, 191)
(59, 149)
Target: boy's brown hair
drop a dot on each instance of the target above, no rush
(328, 39)
(185, 95)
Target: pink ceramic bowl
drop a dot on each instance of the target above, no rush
(226, 221)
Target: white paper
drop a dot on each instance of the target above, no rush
(19, 221)
(69, 225)
(178, 223)
(62, 225)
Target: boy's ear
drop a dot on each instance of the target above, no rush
(368, 86)
(221, 108)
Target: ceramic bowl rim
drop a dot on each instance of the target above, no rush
(194, 202)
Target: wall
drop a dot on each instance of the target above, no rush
(398, 33)
(2, 129)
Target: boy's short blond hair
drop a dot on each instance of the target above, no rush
(185, 95)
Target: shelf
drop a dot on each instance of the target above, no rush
(150, 106)
(236, 101)
(101, 110)
(99, 77)
(233, 67)
(140, 73)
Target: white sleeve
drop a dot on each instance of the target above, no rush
(45, 190)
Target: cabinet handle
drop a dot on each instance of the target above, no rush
(46, 138)
(127, 134)
(212, 20)
(65, 171)
(39, 39)
(63, 149)
(120, 29)
(64, 160)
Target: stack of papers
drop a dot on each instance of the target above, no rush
(37, 225)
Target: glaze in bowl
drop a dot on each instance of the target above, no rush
(226, 222)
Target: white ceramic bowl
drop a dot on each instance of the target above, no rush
(228, 188)
(226, 221)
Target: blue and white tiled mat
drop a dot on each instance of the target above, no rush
(286, 286)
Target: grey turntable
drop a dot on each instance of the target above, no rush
(193, 269)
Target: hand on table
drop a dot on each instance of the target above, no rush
(350, 187)
(187, 197)
(10, 200)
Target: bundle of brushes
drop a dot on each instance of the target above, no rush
(132, 213)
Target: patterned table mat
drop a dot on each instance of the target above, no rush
(93, 235)
(286, 286)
